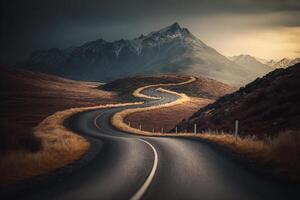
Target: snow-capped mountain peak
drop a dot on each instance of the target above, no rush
(251, 63)
(243, 57)
(285, 62)
(170, 49)
(295, 61)
(250, 60)
(173, 31)
(282, 63)
(175, 27)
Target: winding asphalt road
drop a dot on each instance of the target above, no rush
(134, 167)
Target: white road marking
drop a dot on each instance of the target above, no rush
(95, 120)
(138, 195)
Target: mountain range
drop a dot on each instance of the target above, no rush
(262, 64)
(172, 49)
(251, 63)
(283, 63)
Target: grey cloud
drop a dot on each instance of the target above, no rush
(33, 24)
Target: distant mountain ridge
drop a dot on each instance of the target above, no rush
(283, 63)
(263, 64)
(169, 50)
(251, 63)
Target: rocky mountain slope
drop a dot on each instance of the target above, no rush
(265, 106)
(262, 65)
(284, 63)
(170, 50)
(251, 63)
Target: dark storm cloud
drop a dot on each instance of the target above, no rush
(34, 24)
(132, 8)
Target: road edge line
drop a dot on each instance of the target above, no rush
(139, 194)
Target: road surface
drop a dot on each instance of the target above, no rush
(135, 167)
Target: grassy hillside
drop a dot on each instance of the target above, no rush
(31, 143)
(202, 91)
(266, 106)
(125, 86)
(202, 87)
(27, 98)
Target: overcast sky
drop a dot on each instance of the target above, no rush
(262, 28)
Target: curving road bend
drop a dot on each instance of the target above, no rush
(136, 167)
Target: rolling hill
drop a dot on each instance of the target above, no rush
(29, 97)
(201, 88)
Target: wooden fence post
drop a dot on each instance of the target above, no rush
(236, 131)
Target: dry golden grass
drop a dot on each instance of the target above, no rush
(166, 118)
(137, 92)
(118, 119)
(60, 147)
(282, 152)
(246, 145)
(30, 97)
